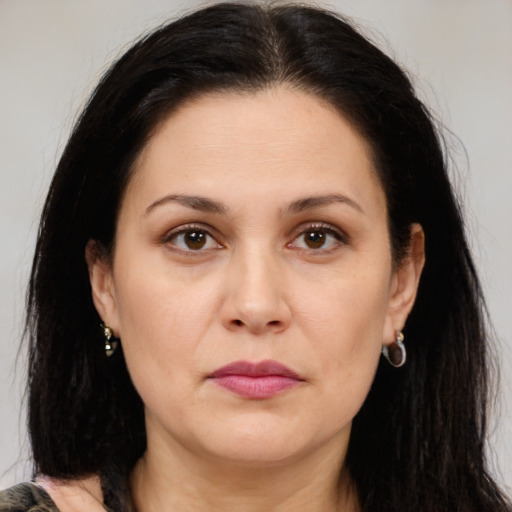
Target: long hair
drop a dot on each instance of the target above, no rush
(418, 442)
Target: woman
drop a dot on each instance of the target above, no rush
(253, 206)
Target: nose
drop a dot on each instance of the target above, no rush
(255, 300)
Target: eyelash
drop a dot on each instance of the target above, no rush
(190, 228)
(325, 229)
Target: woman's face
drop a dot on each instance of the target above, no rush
(252, 284)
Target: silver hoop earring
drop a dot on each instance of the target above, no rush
(110, 342)
(396, 353)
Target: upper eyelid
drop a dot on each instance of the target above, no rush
(319, 225)
(293, 234)
(183, 228)
(171, 235)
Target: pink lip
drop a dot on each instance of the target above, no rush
(256, 380)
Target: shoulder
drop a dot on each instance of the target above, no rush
(26, 497)
(79, 495)
(55, 495)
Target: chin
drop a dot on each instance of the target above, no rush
(263, 443)
(262, 455)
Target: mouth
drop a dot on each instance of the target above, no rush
(256, 380)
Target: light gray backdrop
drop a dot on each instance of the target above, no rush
(53, 51)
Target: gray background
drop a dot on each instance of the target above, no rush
(52, 52)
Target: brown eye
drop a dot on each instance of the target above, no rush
(195, 239)
(190, 239)
(314, 239)
(318, 238)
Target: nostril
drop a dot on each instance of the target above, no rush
(239, 323)
(274, 322)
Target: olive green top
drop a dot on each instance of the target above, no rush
(26, 497)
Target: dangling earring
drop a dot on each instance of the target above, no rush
(395, 353)
(110, 342)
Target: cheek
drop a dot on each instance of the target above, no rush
(344, 318)
(162, 317)
(347, 310)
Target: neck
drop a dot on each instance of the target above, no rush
(314, 483)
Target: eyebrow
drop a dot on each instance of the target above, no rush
(207, 205)
(203, 204)
(308, 203)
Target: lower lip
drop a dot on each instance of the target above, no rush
(256, 387)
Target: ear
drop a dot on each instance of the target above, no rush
(101, 279)
(404, 285)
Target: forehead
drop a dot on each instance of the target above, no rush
(276, 140)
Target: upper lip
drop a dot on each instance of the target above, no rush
(261, 369)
